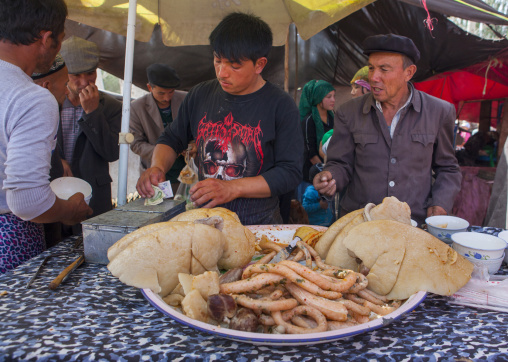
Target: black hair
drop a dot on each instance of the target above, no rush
(21, 21)
(241, 36)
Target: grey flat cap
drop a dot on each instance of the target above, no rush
(58, 64)
(162, 75)
(80, 55)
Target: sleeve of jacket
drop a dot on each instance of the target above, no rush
(140, 146)
(288, 150)
(309, 137)
(448, 177)
(102, 127)
(340, 155)
(178, 134)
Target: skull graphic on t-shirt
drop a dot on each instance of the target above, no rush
(224, 165)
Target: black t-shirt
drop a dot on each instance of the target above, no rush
(242, 136)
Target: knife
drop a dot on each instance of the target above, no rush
(284, 253)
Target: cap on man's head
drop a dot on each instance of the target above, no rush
(58, 64)
(80, 55)
(162, 75)
(393, 44)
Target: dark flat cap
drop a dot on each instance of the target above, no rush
(80, 55)
(393, 44)
(58, 64)
(162, 75)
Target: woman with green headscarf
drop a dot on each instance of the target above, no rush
(316, 113)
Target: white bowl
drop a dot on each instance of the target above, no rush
(65, 187)
(504, 235)
(492, 265)
(444, 226)
(478, 246)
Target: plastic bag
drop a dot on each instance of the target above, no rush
(483, 291)
(188, 178)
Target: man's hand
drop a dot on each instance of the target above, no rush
(325, 184)
(436, 210)
(212, 192)
(66, 168)
(89, 98)
(152, 176)
(79, 210)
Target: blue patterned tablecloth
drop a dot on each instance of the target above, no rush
(94, 317)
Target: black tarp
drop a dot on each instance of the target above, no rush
(462, 10)
(334, 54)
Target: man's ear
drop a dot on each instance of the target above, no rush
(45, 84)
(260, 64)
(410, 72)
(46, 38)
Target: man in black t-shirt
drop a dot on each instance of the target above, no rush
(247, 131)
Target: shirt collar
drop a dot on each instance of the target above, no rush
(412, 100)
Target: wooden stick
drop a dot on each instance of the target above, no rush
(60, 278)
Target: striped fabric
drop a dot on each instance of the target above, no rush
(256, 211)
(70, 116)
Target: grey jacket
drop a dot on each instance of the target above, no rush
(96, 146)
(362, 156)
(146, 124)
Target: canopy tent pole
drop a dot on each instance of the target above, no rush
(126, 110)
(505, 150)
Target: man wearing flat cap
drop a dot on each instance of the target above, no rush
(90, 123)
(394, 141)
(152, 113)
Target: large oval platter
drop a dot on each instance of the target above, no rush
(283, 234)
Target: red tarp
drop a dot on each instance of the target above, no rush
(484, 81)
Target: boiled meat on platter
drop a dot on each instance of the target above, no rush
(240, 245)
(152, 256)
(397, 258)
(361, 268)
(154, 260)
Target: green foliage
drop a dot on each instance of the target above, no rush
(111, 83)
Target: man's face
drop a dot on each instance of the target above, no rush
(161, 95)
(47, 54)
(58, 85)
(387, 76)
(77, 82)
(238, 78)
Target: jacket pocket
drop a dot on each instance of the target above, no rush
(364, 138)
(424, 139)
(103, 180)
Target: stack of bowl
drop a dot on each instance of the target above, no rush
(504, 235)
(481, 249)
(444, 226)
